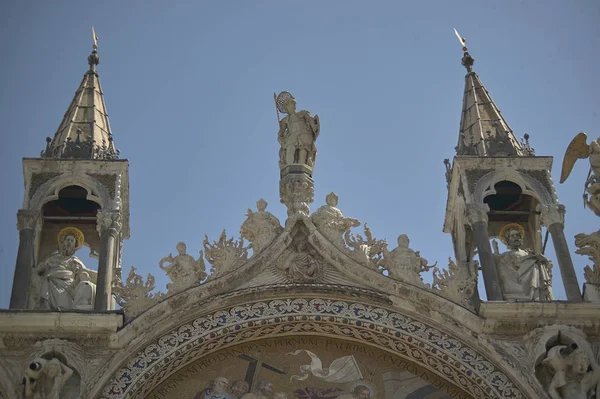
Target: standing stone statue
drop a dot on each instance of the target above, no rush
(183, 270)
(405, 264)
(260, 228)
(331, 222)
(62, 281)
(298, 132)
(524, 275)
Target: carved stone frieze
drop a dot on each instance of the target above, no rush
(260, 228)
(108, 180)
(37, 179)
(453, 360)
(135, 295)
(27, 219)
(224, 255)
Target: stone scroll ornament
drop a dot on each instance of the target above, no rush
(135, 295)
(297, 134)
(224, 255)
(183, 270)
(260, 228)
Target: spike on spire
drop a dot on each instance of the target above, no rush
(483, 129)
(85, 125)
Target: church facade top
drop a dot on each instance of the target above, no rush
(306, 307)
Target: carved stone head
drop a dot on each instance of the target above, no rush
(581, 362)
(68, 245)
(513, 238)
(403, 241)
(261, 205)
(181, 248)
(286, 103)
(331, 199)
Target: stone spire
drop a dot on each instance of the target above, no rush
(483, 129)
(84, 132)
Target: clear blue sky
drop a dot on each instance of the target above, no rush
(189, 85)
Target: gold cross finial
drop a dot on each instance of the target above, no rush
(462, 40)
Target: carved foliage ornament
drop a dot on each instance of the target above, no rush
(589, 245)
(27, 219)
(224, 255)
(109, 221)
(457, 283)
(416, 342)
(135, 295)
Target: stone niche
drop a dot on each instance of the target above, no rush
(305, 367)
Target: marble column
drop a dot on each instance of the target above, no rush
(477, 215)
(27, 221)
(109, 227)
(553, 217)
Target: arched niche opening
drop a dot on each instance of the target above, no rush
(509, 204)
(72, 208)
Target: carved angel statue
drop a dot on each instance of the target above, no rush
(225, 255)
(260, 228)
(574, 374)
(331, 222)
(405, 264)
(183, 270)
(134, 296)
(579, 149)
(45, 379)
(524, 275)
(61, 280)
(297, 134)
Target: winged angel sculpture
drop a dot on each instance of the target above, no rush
(579, 149)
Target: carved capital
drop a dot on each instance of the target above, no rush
(108, 222)
(552, 214)
(296, 192)
(27, 219)
(477, 213)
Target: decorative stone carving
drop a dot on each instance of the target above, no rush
(134, 296)
(524, 275)
(574, 373)
(296, 191)
(303, 264)
(578, 149)
(477, 213)
(457, 283)
(589, 245)
(183, 270)
(224, 255)
(404, 264)
(62, 281)
(367, 252)
(45, 379)
(552, 214)
(331, 222)
(260, 228)
(297, 134)
(27, 219)
(448, 174)
(109, 221)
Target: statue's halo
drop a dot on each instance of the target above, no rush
(71, 231)
(508, 227)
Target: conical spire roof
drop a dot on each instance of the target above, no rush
(84, 132)
(483, 129)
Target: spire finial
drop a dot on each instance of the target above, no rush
(467, 61)
(93, 58)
